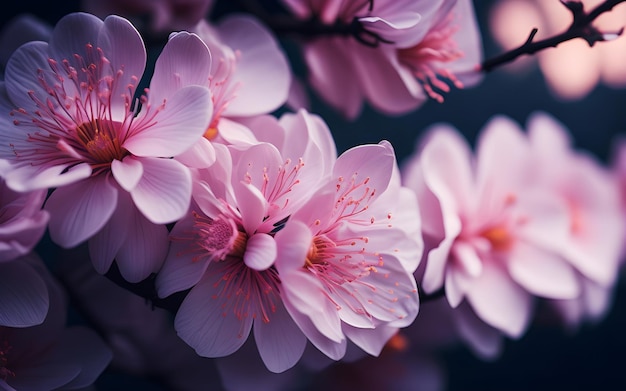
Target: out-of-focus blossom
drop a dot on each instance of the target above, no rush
(51, 356)
(346, 259)
(618, 169)
(398, 55)
(498, 235)
(75, 126)
(224, 249)
(250, 76)
(159, 16)
(23, 294)
(572, 69)
(130, 325)
(596, 225)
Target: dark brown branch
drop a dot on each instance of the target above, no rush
(284, 24)
(580, 28)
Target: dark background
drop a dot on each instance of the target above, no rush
(544, 359)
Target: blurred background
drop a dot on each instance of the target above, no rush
(592, 357)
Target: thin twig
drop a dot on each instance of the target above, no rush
(580, 28)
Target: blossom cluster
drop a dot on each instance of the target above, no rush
(205, 176)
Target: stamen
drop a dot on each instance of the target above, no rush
(499, 238)
(426, 58)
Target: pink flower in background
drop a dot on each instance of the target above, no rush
(398, 58)
(23, 293)
(572, 69)
(164, 16)
(596, 225)
(346, 258)
(498, 232)
(76, 127)
(50, 355)
(224, 249)
(249, 76)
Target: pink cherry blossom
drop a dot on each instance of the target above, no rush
(398, 58)
(499, 234)
(250, 76)
(50, 355)
(596, 226)
(618, 171)
(346, 258)
(224, 249)
(77, 128)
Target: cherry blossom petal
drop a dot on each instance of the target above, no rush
(260, 251)
(143, 250)
(370, 163)
(28, 178)
(334, 349)
(79, 210)
(23, 295)
(485, 341)
(397, 92)
(445, 164)
(252, 206)
(304, 292)
(200, 155)
(213, 331)
(234, 132)
(105, 244)
(257, 376)
(509, 310)
(372, 341)
(259, 54)
(20, 71)
(329, 66)
(180, 124)
(65, 42)
(125, 50)
(21, 235)
(280, 341)
(127, 172)
(184, 61)
(164, 192)
(502, 157)
(543, 273)
(468, 39)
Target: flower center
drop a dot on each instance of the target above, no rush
(426, 58)
(499, 238)
(80, 113)
(100, 141)
(319, 252)
(214, 239)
